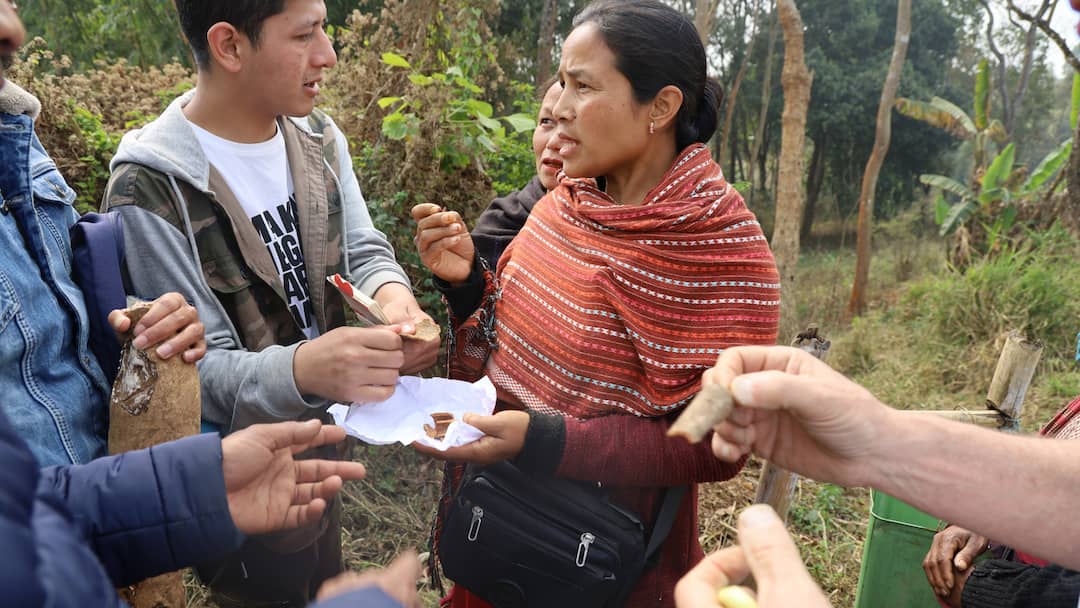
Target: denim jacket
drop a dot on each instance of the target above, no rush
(51, 387)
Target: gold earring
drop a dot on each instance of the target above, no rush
(652, 128)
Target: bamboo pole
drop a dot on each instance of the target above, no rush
(985, 418)
(1013, 375)
(776, 486)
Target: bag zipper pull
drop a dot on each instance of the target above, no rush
(583, 548)
(474, 525)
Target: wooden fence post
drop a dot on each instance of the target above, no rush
(776, 486)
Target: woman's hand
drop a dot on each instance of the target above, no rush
(444, 244)
(505, 437)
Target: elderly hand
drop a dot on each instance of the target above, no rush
(767, 552)
(170, 322)
(444, 243)
(951, 554)
(267, 489)
(797, 412)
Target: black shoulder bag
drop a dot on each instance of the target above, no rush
(520, 541)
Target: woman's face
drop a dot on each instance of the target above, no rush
(601, 129)
(548, 161)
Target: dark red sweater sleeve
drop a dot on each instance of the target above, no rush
(621, 450)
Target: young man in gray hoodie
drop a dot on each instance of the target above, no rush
(242, 197)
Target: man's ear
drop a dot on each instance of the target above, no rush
(226, 44)
(665, 106)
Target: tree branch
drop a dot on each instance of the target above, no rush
(1002, 87)
(1056, 38)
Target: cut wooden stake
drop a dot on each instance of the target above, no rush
(776, 486)
(1013, 374)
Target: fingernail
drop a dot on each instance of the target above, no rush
(727, 452)
(140, 328)
(164, 351)
(408, 328)
(140, 342)
(742, 388)
(756, 516)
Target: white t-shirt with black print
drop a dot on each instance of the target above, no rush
(258, 174)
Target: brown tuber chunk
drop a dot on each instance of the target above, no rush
(425, 330)
(442, 422)
(709, 408)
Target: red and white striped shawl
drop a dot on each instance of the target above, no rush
(605, 308)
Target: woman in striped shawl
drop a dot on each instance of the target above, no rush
(621, 290)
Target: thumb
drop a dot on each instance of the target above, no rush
(487, 425)
(968, 553)
(771, 553)
(287, 434)
(773, 390)
(423, 210)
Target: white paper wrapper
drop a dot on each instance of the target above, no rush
(401, 418)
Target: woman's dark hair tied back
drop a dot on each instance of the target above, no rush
(656, 46)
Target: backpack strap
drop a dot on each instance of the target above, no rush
(97, 247)
(664, 520)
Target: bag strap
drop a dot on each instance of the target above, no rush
(97, 244)
(664, 520)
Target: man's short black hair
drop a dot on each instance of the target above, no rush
(198, 16)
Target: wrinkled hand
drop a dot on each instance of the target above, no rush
(951, 554)
(267, 489)
(350, 364)
(170, 322)
(504, 438)
(765, 550)
(398, 580)
(797, 412)
(444, 243)
(401, 308)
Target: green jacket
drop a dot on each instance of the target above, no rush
(185, 231)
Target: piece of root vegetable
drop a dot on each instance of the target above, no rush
(708, 408)
(735, 597)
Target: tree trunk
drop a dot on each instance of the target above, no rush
(758, 182)
(704, 16)
(549, 18)
(733, 94)
(1025, 70)
(796, 81)
(813, 185)
(1072, 180)
(857, 303)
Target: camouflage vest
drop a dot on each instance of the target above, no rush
(235, 262)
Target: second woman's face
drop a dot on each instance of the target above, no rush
(600, 128)
(548, 161)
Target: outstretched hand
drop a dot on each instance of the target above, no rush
(269, 490)
(504, 438)
(798, 412)
(767, 552)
